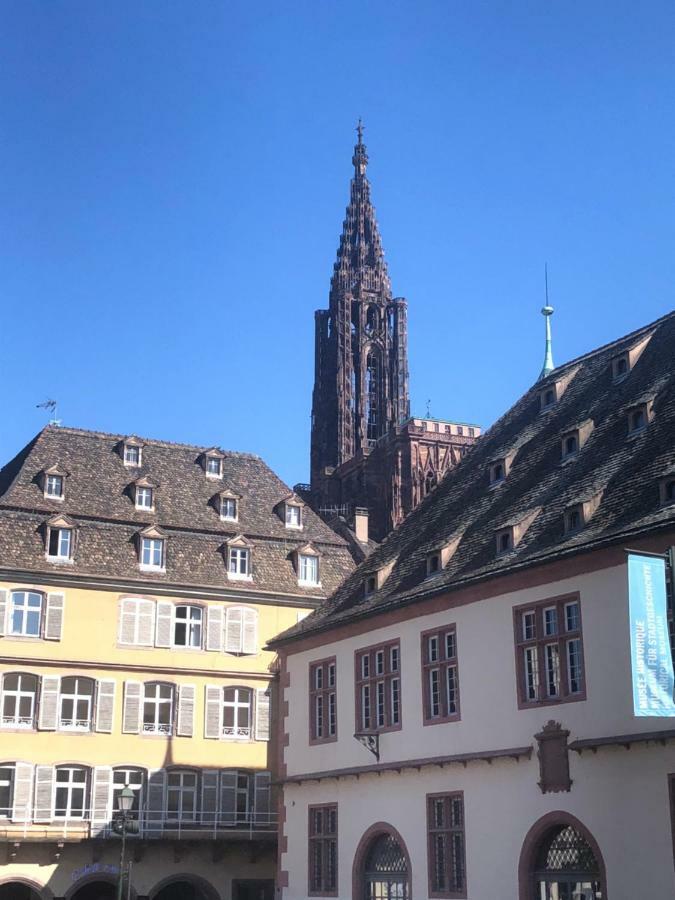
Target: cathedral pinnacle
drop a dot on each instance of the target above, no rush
(360, 158)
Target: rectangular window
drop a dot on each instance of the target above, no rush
(309, 569)
(446, 837)
(323, 851)
(6, 791)
(549, 652)
(152, 553)
(19, 694)
(76, 703)
(158, 708)
(237, 713)
(131, 778)
(378, 688)
(213, 466)
(25, 613)
(144, 498)
(323, 701)
(440, 676)
(228, 508)
(238, 562)
(54, 486)
(181, 796)
(293, 516)
(132, 455)
(60, 540)
(187, 626)
(70, 800)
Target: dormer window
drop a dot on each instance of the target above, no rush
(496, 472)
(620, 367)
(132, 452)
(238, 556)
(144, 498)
(370, 585)
(504, 541)
(293, 515)
(308, 566)
(639, 417)
(667, 489)
(433, 563)
(547, 398)
(228, 509)
(54, 487)
(59, 539)
(152, 549)
(624, 363)
(570, 444)
(574, 519)
(212, 462)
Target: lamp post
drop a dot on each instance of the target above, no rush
(122, 823)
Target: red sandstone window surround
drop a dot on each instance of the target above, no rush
(323, 701)
(549, 652)
(323, 851)
(440, 675)
(446, 842)
(378, 687)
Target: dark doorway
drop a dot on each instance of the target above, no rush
(96, 890)
(14, 890)
(253, 889)
(181, 890)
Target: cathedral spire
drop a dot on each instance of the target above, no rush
(547, 312)
(360, 261)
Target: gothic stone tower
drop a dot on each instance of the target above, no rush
(361, 383)
(366, 451)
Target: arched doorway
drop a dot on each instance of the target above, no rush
(381, 866)
(561, 861)
(18, 890)
(96, 890)
(185, 887)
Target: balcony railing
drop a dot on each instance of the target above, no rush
(40, 824)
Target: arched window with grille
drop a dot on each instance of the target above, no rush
(384, 870)
(561, 861)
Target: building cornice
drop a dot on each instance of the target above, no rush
(623, 740)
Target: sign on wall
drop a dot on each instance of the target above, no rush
(652, 663)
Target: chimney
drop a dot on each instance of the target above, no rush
(361, 524)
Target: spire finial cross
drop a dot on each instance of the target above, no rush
(359, 130)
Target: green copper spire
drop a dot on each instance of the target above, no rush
(547, 312)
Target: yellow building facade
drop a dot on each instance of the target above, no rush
(135, 603)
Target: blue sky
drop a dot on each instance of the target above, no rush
(175, 177)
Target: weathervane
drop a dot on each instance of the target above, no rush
(49, 405)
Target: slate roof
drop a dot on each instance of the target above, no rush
(625, 468)
(98, 498)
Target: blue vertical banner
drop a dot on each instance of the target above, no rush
(652, 663)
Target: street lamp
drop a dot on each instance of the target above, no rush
(122, 824)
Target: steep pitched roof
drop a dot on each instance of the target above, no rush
(98, 497)
(539, 485)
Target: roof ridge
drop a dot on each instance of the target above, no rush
(155, 442)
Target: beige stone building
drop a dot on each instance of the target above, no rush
(139, 583)
(459, 717)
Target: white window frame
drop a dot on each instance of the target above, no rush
(157, 727)
(236, 556)
(145, 493)
(52, 481)
(128, 450)
(64, 544)
(224, 516)
(211, 460)
(238, 732)
(150, 544)
(292, 510)
(19, 693)
(70, 786)
(133, 777)
(180, 790)
(304, 560)
(25, 609)
(8, 782)
(77, 723)
(190, 625)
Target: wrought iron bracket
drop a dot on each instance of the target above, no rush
(370, 742)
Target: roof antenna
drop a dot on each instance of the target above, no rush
(51, 406)
(547, 312)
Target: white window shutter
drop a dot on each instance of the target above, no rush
(209, 796)
(250, 629)
(44, 794)
(164, 624)
(186, 710)
(3, 610)
(146, 622)
(233, 629)
(262, 714)
(261, 798)
(214, 628)
(49, 703)
(128, 611)
(101, 798)
(23, 792)
(213, 714)
(155, 804)
(133, 703)
(105, 706)
(228, 787)
(54, 616)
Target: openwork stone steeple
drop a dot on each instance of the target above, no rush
(361, 370)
